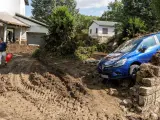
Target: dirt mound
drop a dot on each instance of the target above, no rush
(30, 90)
(66, 86)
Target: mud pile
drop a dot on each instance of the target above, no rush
(30, 90)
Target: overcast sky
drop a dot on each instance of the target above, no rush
(87, 7)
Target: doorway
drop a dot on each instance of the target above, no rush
(11, 35)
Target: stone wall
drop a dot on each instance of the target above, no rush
(146, 93)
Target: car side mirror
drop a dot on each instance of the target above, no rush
(143, 49)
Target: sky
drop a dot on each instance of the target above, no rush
(86, 7)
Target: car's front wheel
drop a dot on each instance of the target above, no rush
(133, 71)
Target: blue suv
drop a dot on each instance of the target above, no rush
(124, 62)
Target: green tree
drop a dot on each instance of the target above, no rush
(43, 8)
(114, 13)
(156, 7)
(134, 16)
(60, 31)
(143, 10)
(83, 22)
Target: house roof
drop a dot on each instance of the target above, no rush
(30, 19)
(105, 23)
(10, 20)
(26, 2)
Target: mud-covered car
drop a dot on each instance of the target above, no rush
(124, 62)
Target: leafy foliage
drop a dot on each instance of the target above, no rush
(156, 7)
(61, 31)
(83, 53)
(83, 22)
(141, 9)
(39, 7)
(115, 12)
(42, 9)
(36, 53)
(134, 17)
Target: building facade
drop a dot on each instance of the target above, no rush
(15, 26)
(102, 30)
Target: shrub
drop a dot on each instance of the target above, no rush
(83, 53)
(61, 31)
(36, 53)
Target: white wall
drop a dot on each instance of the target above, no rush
(22, 7)
(93, 27)
(12, 6)
(111, 31)
(34, 27)
(100, 31)
(17, 33)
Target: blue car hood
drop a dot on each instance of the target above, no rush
(112, 58)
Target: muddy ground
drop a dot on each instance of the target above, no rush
(57, 89)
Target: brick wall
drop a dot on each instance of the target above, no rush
(146, 94)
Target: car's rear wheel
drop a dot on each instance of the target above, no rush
(133, 71)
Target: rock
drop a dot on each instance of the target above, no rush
(127, 103)
(125, 84)
(124, 109)
(131, 110)
(156, 109)
(149, 82)
(113, 92)
(145, 91)
(91, 60)
(124, 94)
(153, 116)
(134, 91)
(139, 109)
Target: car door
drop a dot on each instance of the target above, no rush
(152, 47)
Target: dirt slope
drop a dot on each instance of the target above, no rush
(58, 90)
(32, 91)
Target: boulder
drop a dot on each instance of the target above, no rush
(113, 92)
(149, 82)
(127, 103)
(153, 116)
(146, 91)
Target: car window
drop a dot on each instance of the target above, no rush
(128, 46)
(158, 36)
(149, 42)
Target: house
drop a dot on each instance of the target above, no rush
(102, 29)
(15, 24)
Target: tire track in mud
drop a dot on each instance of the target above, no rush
(47, 102)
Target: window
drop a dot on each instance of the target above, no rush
(105, 30)
(149, 42)
(96, 30)
(90, 31)
(158, 36)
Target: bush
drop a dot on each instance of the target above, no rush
(83, 53)
(61, 32)
(36, 53)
